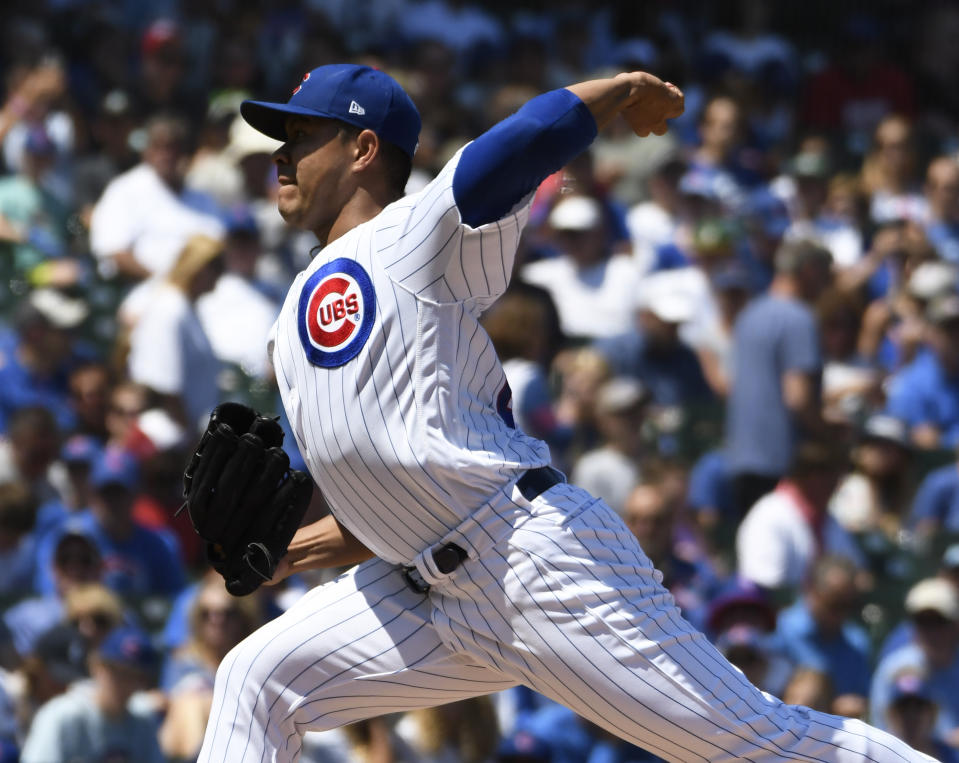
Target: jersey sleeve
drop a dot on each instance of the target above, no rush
(457, 238)
(428, 250)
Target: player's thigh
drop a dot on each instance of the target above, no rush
(601, 635)
(359, 646)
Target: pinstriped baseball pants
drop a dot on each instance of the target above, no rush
(565, 602)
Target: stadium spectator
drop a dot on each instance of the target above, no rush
(591, 287)
(76, 562)
(818, 632)
(29, 453)
(18, 516)
(776, 372)
(138, 562)
(933, 607)
(92, 721)
(218, 622)
(612, 470)
(942, 199)
(652, 351)
(912, 717)
(169, 351)
(925, 394)
(36, 358)
(652, 517)
(145, 215)
(90, 386)
(32, 219)
(783, 533)
(889, 174)
(238, 313)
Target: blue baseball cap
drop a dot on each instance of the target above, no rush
(115, 466)
(80, 449)
(130, 646)
(358, 95)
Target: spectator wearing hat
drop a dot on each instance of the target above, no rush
(654, 223)
(170, 353)
(145, 216)
(806, 188)
(776, 372)
(925, 393)
(18, 514)
(872, 498)
(933, 608)
(92, 721)
(942, 197)
(137, 561)
(238, 313)
(56, 662)
(912, 717)
(783, 533)
(36, 358)
(612, 470)
(818, 631)
(652, 517)
(29, 453)
(76, 562)
(33, 221)
(592, 288)
(652, 351)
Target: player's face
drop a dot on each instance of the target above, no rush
(312, 168)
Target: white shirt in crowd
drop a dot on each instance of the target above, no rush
(170, 353)
(140, 213)
(594, 301)
(237, 319)
(775, 546)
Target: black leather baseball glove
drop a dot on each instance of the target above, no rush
(242, 496)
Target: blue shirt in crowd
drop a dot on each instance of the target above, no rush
(844, 656)
(673, 376)
(773, 335)
(21, 388)
(922, 393)
(145, 564)
(711, 486)
(937, 499)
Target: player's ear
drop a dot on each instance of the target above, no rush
(365, 150)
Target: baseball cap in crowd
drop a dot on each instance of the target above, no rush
(909, 684)
(667, 295)
(943, 309)
(950, 557)
(80, 449)
(620, 393)
(115, 466)
(733, 276)
(160, 35)
(886, 428)
(245, 140)
(932, 279)
(523, 746)
(738, 641)
(935, 595)
(128, 646)
(358, 95)
(576, 213)
(810, 164)
(740, 596)
(64, 654)
(58, 309)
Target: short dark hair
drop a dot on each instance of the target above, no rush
(395, 161)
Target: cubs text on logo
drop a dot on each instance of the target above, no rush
(336, 312)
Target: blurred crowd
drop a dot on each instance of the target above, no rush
(743, 335)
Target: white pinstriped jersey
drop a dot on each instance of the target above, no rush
(395, 394)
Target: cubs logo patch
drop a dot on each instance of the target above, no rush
(336, 311)
(297, 88)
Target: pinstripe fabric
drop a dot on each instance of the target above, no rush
(561, 599)
(404, 439)
(403, 435)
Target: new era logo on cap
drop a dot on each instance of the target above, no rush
(355, 108)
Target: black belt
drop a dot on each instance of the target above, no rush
(447, 558)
